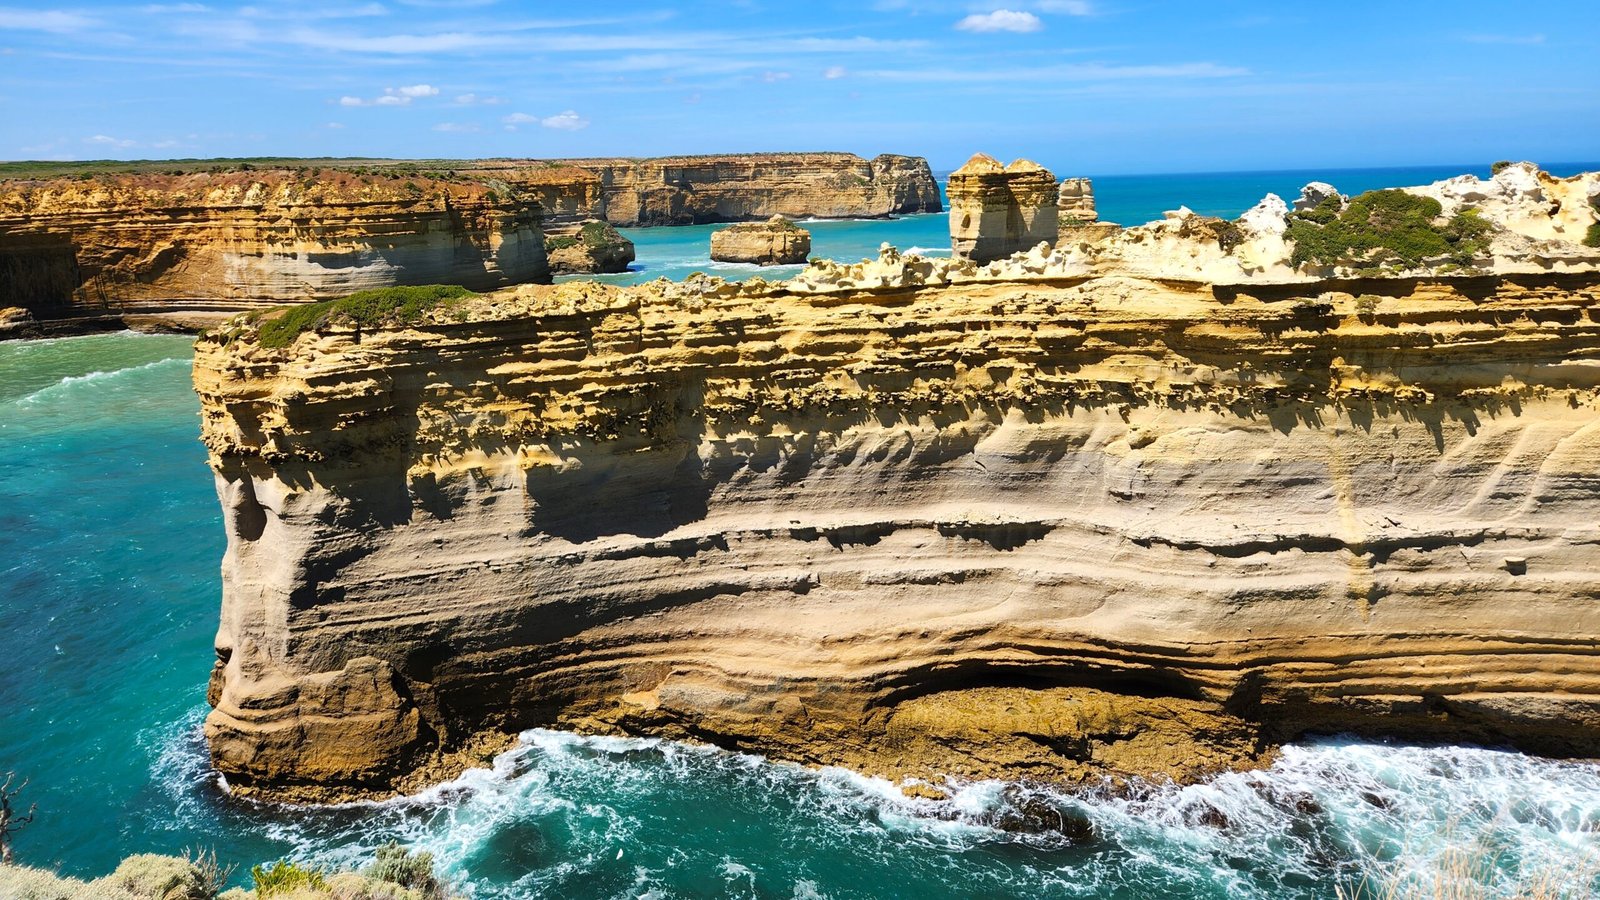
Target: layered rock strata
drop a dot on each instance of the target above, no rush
(693, 190)
(775, 242)
(117, 242)
(1049, 526)
(587, 247)
(1075, 201)
(997, 210)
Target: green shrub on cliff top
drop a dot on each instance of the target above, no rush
(371, 308)
(1389, 227)
(414, 871)
(284, 877)
(1592, 238)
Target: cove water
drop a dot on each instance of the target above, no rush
(110, 541)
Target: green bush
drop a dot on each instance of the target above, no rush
(284, 877)
(559, 242)
(1499, 166)
(1386, 228)
(1592, 238)
(600, 235)
(396, 866)
(379, 306)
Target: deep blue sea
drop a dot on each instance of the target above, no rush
(110, 541)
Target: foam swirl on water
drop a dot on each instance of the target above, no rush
(574, 816)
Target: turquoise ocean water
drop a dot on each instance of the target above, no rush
(109, 548)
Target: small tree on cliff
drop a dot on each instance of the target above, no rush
(10, 821)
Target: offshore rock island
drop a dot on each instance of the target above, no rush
(1129, 502)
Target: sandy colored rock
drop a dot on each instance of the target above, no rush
(997, 210)
(1075, 201)
(152, 242)
(689, 190)
(828, 519)
(775, 242)
(587, 247)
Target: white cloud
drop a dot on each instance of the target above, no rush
(394, 96)
(1076, 72)
(1000, 20)
(334, 125)
(774, 77)
(519, 119)
(835, 72)
(457, 127)
(44, 20)
(565, 121)
(475, 100)
(157, 9)
(108, 141)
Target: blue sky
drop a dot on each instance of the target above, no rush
(1092, 86)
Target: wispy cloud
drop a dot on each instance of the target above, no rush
(1070, 7)
(565, 121)
(1001, 20)
(456, 127)
(393, 96)
(53, 21)
(476, 100)
(1059, 73)
(106, 140)
(835, 72)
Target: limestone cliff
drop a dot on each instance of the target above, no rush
(587, 247)
(776, 242)
(70, 245)
(1021, 523)
(997, 210)
(691, 190)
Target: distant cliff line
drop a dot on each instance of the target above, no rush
(91, 241)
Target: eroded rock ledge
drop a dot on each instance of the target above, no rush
(1042, 527)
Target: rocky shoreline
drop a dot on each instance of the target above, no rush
(1143, 504)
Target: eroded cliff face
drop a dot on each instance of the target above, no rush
(75, 245)
(693, 190)
(1051, 527)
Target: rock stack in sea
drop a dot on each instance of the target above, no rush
(775, 242)
(1075, 202)
(587, 247)
(997, 210)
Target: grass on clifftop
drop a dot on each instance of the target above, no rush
(1382, 228)
(379, 306)
(1592, 238)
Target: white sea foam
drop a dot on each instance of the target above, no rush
(561, 811)
(928, 251)
(70, 382)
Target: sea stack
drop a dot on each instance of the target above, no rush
(586, 248)
(775, 242)
(1075, 202)
(997, 210)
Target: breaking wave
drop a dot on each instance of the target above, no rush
(572, 816)
(97, 378)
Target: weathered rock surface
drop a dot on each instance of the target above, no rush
(997, 210)
(73, 245)
(918, 517)
(691, 190)
(1075, 201)
(775, 242)
(587, 247)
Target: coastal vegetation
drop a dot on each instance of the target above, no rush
(379, 306)
(1592, 238)
(1391, 228)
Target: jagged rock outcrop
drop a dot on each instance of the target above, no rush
(690, 190)
(587, 247)
(775, 242)
(997, 210)
(918, 517)
(73, 245)
(1075, 201)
